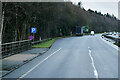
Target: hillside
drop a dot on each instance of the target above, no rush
(51, 20)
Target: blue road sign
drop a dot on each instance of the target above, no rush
(31, 37)
(33, 30)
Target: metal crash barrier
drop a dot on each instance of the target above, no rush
(117, 40)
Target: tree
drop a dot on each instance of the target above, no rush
(90, 10)
(1, 29)
(50, 19)
(80, 4)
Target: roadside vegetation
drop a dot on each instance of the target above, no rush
(46, 44)
(118, 44)
(51, 20)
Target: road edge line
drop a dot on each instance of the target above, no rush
(112, 45)
(39, 64)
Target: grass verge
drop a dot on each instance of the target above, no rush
(46, 44)
(117, 43)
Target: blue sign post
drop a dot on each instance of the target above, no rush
(33, 30)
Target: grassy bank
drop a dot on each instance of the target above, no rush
(46, 44)
(117, 43)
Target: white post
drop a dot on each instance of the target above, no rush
(40, 38)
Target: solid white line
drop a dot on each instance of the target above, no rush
(38, 64)
(93, 64)
(109, 43)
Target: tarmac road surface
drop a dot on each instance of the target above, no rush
(73, 57)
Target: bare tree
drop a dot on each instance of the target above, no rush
(1, 29)
(1, 22)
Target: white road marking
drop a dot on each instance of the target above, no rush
(38, 64)
(109, 43)
(93, 64)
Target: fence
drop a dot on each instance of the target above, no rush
(12, 48)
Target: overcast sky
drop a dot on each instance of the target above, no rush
(103, 6)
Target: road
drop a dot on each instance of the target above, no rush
(73, 57)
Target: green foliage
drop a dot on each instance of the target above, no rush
(46, 44)
(51, 20)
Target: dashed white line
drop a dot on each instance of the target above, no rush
(38, 64)
(93, 64)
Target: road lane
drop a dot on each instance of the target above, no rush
(105, 56)
(73, 60)
(93, 63)
(39, 64)
(70, 62)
